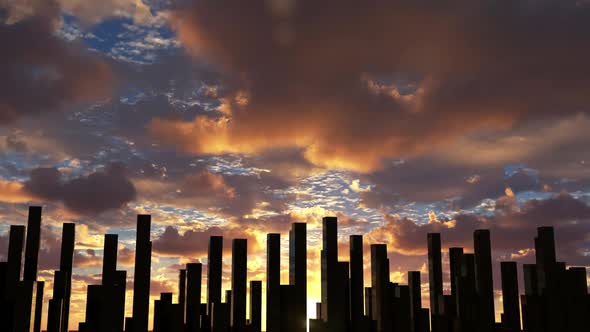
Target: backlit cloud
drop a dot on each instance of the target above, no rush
(352, 92)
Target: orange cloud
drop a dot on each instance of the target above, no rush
(13, 192)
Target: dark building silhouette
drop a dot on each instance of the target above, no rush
(167, 315)
(32, 247)
(333, 299)
(419, 320)
(109, 259)
(484, 284)
(298, 273)
(455, 255)
(555, 296)
(142, 273)
(255, 306)
(380, 287)
(287, 308)
(59, 306)
(356, 284)
(193, 297)
(182, 293)
(15, 255)
(65, 266)
(511, 314)
(273, 282)
(238, 284)
(435, 280)
(214, 258)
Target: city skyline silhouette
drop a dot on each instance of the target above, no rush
(555, 299)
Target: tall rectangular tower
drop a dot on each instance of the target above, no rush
(329, 257)
(298, 273)
(32, 246)
(356, 282)
(255, 306)
(380, 286)
(15, 256)
(193, 296)
(484, 280)
(109, 259)
(434, 273)
(238, 284)
(68, 239)
(511, 315)
(214, 257)
(273, 282)
(142, 273)
(415, 294)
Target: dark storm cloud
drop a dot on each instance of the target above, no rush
(511, 230)
(40, 72)
(353, 82)
(91, 194)
(429, 180)
(193, 243)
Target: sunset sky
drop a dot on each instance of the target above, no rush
(237, 118)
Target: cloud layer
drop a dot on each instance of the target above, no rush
(88, 195)
(41, 72)
(355, 82)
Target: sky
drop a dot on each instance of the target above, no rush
(237, 118)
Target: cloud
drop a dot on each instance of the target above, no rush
(353, 83)
(12, 192)
(194, 243)
(429, 179)
(89, 12)
(41, 72)
(92, 12)
(511, 230)
(88, 195)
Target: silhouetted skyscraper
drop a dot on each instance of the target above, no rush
(214, 265)
(142, 268)
(38, 305)
(455, 255)
(401, 308)
(32, 246)
(238, 284)
(95, 303)
(467, 308)
(12, 276)
(511, 314)
(298, 273)
(65, 266)
(484, 283)
(356, 283)
(182, 292)
(255, 306)
(15, 254)
(329, 263)
(117, 304)
(287, 307)
(193, 296)
(415, 294)
(167, 316)
(343, 299)
(435, 277)
(380, 286)
(545, 258)
(273, 282)
(109, 259)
